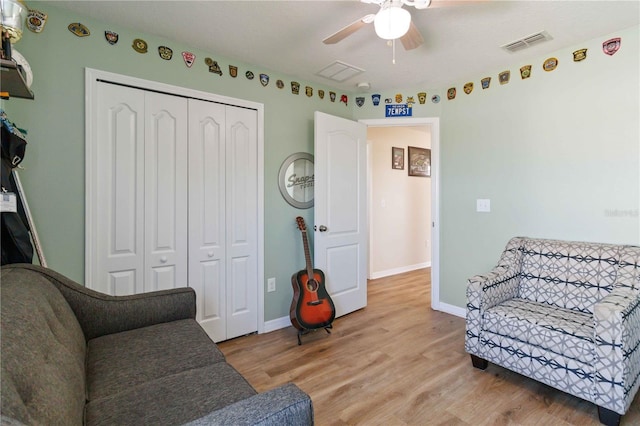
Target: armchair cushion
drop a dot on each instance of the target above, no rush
(563, 274)
(562, 331)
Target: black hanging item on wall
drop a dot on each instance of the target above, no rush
(16, 242)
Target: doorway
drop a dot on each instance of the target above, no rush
(432, 135)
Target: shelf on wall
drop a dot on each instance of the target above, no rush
(12, 81)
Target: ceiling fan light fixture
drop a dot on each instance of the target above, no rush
(392, 22)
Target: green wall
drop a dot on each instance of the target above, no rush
(54, 178)
(558, 154)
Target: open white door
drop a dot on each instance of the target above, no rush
(340, 238)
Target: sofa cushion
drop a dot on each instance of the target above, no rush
(562, 331)
(43, 352)
(117, 362)
(173, 399)
(567, 274)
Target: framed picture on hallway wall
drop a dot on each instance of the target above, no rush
(397, 158)
(419, 162)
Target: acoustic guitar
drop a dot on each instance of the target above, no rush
(311, 307)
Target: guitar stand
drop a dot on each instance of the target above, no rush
(309, 330)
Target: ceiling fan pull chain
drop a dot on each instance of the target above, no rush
(393, 48)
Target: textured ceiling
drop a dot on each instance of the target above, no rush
(462, 39)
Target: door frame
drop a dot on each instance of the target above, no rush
(92, 77)
(434, 125)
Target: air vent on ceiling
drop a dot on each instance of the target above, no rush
(339, 71)
(527, 41)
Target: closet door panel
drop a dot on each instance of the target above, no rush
(119, 188)
(165, 191)
(207, 215)
(241, 205)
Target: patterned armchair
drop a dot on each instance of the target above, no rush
(564, 313)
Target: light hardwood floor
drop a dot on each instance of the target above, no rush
(397, 362)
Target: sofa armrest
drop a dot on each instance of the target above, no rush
(285, 405)
(100, 314)
(617, 339)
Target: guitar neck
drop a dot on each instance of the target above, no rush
(307, 255)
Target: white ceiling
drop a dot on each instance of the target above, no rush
(462, 39)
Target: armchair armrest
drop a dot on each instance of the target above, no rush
(100, 314)
(617, 339)
(483, 292)
(285, 405)
(488, 290)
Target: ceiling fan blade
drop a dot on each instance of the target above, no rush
(450, 3)
(349, 29)
(412, 38)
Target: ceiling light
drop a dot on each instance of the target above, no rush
(392, 22)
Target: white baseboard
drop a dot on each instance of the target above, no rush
(453, 310)
(276, 324)
(400, 270)
(284, 322)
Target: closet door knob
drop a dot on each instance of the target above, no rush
(210, 254)
(163, 259)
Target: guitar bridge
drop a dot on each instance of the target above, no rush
(315, 302)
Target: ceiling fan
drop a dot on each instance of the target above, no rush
(390, 23)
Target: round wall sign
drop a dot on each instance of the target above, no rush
(295, 180)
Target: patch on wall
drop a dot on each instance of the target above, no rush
(504, 76)
(165, 52)
(579, 55)
(611, 46)
(189, 58)
(550, 64)
(525, 71)
(451, 93)
(139, 45)
(36, 20)
(79, 29)
(213, 66)
(111, 37)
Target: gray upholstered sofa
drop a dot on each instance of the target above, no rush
(564, 313)
(72, 356)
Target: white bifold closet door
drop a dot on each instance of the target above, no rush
(176, 205)
(223, 216)
(141, 175)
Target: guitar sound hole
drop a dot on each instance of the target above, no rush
(312, 285)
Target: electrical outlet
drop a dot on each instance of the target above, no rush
(483, 205)
(271, 284)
